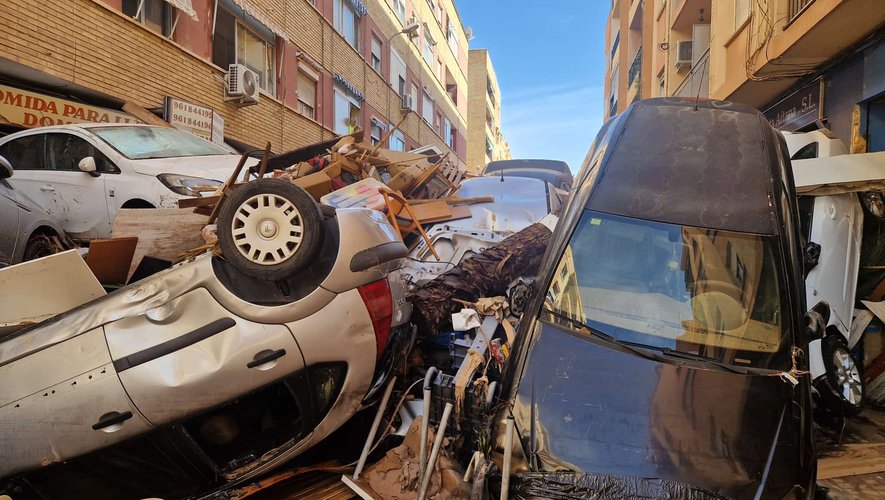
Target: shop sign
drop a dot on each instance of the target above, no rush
(194, 118)
(797, 110)
(30, 109)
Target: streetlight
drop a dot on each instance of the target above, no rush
(411, 30)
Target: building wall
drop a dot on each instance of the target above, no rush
(484, 113)
(93, 45)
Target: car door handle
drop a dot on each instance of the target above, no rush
(266, 358)
(47, 187)
(112, 418)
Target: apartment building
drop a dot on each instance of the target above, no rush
(323, 67)
(805, 64)
(485, 142)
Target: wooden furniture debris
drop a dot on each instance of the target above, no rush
(164, 233)
(111, 259)
(396, 205)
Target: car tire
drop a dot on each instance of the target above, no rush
(270, 229)
(39, 245)
(844, 391)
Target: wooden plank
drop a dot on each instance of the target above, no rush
(144, 115)
(164, 233)
(854, 460)
(432, 212)
(111, 259)
(205, 201)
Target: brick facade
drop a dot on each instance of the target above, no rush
(92, 44)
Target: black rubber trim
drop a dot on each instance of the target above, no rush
(176, 344)
(380, 254)
(267, 358)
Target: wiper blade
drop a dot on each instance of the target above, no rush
(666, 351)
(592, 332)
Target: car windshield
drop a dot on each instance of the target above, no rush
(700, 291)
(141, 143)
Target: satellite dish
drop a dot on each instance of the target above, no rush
(468, 32)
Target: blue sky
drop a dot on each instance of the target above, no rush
(548, 55)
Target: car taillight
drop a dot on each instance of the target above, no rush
(379, 302)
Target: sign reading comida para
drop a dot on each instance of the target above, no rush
(198, 120)
(29, 109)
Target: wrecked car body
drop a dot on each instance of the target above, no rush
(662, 349)
(201, 375)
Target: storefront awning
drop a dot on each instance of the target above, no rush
(185, 6)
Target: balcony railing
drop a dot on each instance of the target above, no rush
(635, 68)
(795, 8)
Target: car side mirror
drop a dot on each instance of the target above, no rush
(816, 320)
(5, 168)
(88, 165)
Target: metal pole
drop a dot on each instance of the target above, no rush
(425, 421)
(366, 447)
(440, 434)
(508, 454)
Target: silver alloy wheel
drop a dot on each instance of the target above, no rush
(847, 376)
(267, 229)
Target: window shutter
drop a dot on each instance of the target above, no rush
(307, 90)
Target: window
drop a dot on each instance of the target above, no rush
(413, 91)
(452, 36)
(397, 72)
(347, 111)
(447, 133)
(307, 94)
(376, 53)
(397, 141)
(25, 153)
(154, 14)
(399, 8)
(140, 143)
(428, 47)
(741, 12)
(64, 152)
(235, 43)
(347, 22)
(376, 131)
(427, 108)
(662, 87)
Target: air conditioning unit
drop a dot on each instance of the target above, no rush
(241, 85)
(406, 102)
(683, 53)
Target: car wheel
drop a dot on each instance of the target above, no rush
(270, 229)
(39, 246)
(846, 388)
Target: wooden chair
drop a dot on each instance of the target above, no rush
(407, 223)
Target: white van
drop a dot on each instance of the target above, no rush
(81, 174)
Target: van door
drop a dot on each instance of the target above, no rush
(79, 200)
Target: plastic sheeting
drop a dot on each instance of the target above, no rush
(568, 485)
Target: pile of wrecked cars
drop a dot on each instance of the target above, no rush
(657, 331)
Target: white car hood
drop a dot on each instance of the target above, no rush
(217, 167)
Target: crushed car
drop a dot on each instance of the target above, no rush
(660, 354)
(214, 371)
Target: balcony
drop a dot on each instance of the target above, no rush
(635, 68)
(697, 82)
(795, 8)
(688, 12)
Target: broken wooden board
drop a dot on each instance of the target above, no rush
(431, 212)
(164, 233)
(36, 290)
(111, 259)
(853, 460)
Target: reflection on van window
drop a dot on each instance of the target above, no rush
(695, 290)
(141, 143)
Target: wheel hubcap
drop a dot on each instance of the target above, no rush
(847, 376)
(267, 229)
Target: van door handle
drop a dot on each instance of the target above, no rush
(47, 187)
(266, 357)
(112, 418)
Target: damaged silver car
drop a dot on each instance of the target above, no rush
(203, 376)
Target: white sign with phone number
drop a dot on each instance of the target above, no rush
(198, 120)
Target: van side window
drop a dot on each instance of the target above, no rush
(25, 153)
(64, 152)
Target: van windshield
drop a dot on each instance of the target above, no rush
(695, 290)
(142, 143)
